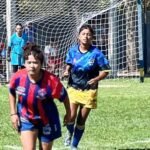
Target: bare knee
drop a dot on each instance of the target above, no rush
(73, 117)
(46, 146)
(83, 115)
(28, 139)
(74, 109)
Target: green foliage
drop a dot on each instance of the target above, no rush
(121, 120)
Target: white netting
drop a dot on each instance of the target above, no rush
(55, 24)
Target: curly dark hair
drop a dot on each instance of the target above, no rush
(33, 49)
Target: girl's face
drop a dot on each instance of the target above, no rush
(33, 66)
(85, 37)
(18, 29)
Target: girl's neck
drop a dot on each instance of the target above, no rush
(19, 34)
(35, 78)
(84, 48)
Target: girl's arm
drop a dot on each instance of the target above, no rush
(13, 111)
(67, 70)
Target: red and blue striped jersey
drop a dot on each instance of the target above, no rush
(36, 100)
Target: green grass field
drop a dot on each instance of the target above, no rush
(121, 121)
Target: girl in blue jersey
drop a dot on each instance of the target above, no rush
(36, 115)
(86, 66)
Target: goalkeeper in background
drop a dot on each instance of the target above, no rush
(36, 115)
(86, 66)
(15, 48)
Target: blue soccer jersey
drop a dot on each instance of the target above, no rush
(85, 66)
(36, 101)
(30, 32)
(17, 43)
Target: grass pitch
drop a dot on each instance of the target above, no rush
(121, 121)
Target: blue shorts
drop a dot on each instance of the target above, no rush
(46, 133)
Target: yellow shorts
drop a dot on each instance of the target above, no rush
(87, 98)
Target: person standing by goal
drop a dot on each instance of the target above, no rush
(86, 66)
(15, 48)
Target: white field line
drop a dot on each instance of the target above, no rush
(10, 147)
(14, 147)
(114, 86)
(144, 141)
(147, 140)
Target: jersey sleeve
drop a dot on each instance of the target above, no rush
(13, 85)
(103, 62)
(58, 90)
(69, 57)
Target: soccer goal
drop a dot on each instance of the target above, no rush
(55, 23)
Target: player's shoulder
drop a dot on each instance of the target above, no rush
(50, 77)
(13, 36)
(20, 74)
(95, 50)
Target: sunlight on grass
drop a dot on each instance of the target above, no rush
(121, 120)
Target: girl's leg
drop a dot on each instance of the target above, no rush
(74, 108)
(80, 126)
(70, 125)
(83, 115)
(46, 146)
(28, 139)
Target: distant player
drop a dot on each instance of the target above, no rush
(15, 48)
(2, 60)
(30, 31)
(53, 59)
(86, 66)
(36, 115)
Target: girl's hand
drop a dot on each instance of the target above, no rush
(66, 118)
(93, 81)
(15, 121)
(66, 73)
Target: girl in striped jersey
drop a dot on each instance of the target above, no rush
(36, 115)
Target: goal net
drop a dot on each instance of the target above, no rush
(54, 26)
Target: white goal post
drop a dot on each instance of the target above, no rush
(117, 25)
